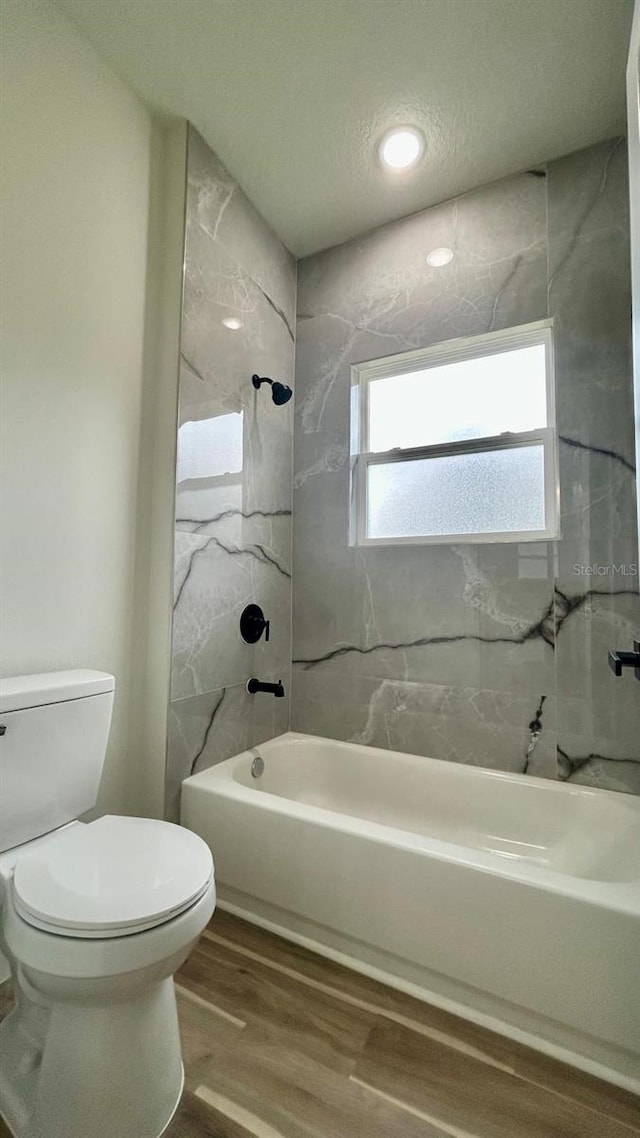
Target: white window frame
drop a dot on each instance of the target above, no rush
(451, 351)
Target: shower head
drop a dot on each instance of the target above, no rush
(280, 393)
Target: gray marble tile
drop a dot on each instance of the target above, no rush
(597, 571)
(467, 615)
(371, 624)
(589, 625)
(587, 193)
(233, 503)
(461, 724)
(215, 288)
(614, 716)
(604, 763)
(597, 488)
(220, 569)
(589, 299)
(219, 206)
(597, 609)
(209, 728)
(377, 295)
(440, 650)
(382, 282)
(413, 614)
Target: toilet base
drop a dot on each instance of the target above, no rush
(72, 1068)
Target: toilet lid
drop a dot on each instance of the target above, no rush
(112, 877)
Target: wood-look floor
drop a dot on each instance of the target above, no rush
(281, 1043)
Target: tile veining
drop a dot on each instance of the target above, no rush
(604, 451)
(233, 530)
(442, 650)
(214, 712)
(381, 634)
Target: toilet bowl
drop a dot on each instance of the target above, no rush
(95, 919)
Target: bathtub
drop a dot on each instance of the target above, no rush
(511, 901)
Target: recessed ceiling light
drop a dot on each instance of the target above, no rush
(232, 322)
(439, 257)
(401, 147)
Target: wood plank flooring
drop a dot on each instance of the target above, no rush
(281, 1043)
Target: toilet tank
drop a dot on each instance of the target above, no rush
(54, 729)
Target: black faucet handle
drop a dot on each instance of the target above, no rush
(253, 623)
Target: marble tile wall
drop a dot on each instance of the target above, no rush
(455, 651)
(233, 501)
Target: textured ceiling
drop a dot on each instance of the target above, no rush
(294, 94)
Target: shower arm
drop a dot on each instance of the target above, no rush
(280, 392)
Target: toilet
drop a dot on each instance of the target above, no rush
(95, 918)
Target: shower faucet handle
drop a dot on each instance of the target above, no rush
(253, 623)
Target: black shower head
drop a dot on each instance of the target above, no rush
(280, 393)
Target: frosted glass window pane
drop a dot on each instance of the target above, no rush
(488, 492)
(468, 399)
(208, 448)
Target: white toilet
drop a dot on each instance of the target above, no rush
(94, 920)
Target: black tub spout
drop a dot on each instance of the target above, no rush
(254, 686)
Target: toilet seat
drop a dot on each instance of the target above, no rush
(111, 878)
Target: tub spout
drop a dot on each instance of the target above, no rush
(620, 660)
(254, 686)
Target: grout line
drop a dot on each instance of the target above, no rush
(454, 1131)
(231, 1110)
(363, 1005)
(195, 999)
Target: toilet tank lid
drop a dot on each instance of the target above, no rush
(17, 693)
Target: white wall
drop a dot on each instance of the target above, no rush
(76, 155)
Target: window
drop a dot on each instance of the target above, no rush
(457, 442)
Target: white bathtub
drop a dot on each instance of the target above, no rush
(512, 901)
